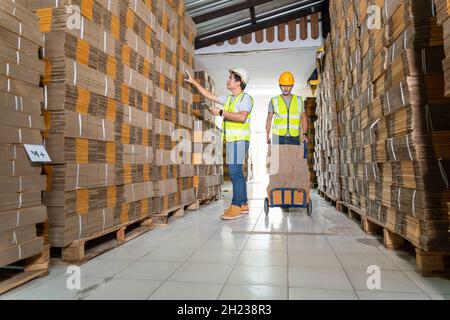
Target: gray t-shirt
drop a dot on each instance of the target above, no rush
(245, 104)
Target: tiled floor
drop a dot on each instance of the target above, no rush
(286, 255)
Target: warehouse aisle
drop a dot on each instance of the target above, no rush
(284, 256)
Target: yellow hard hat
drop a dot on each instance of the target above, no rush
(287, 79)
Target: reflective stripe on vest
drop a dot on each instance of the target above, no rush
(287, 120)
(235, 131)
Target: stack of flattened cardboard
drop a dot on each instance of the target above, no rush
(288, 168)
(207, 160)
(173, 120)
(443, 16)
(185, 54)
(310, 109)
(207, 151)
(21, 122)
(394, 125)
(326, 130)
(98, 111)
(201, 104)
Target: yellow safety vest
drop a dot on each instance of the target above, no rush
(285, 121)
(235, 131)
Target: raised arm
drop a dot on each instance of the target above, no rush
(202, 89)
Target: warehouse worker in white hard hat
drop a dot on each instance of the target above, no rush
(236, 132)
(290, 123)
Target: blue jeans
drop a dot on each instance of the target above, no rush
(286, 140)
(236, 155)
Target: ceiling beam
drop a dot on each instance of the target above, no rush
(228, 10)
(253, 15)
(245, 27)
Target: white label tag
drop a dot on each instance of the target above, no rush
(37, 153)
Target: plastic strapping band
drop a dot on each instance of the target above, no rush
(45, 97)
(20, 28)
(78, 177)
(15, 152)
(30, 124)
(392, 149)
(16, 100)
(7, 69)
(18, 219)
(20, 135)
(109, 5)
(379, 211)
(409, 149)
(104, 219)
(443, 173)
(14, 240)
(106, 175)
(82, 28)
(13, 168)
(393, 53)
(398, 199)
(80, 124)
(74, 73)
(106, 86)
(402, 93)
(388, 102)
(132, 191)
(80, 225)
(129, 114)
(20, 184)
(9, 85)
(19, 43)
(104, 42)
(374, 172)
(414, 203)
(371, 128)
(131, 78)
(20, 201)
(20, 251)
(15, 8)
(104, 129)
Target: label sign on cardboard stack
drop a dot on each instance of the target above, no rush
(99, 116)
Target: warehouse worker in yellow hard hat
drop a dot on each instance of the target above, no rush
(236, 113)
(287, 118)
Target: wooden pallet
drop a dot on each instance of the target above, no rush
(427, 263)
(324, 195)
(162, 219)
(83, 250)
(204, 202)
(24, 271)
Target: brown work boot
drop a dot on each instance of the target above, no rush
(245, 209)
(233, 213)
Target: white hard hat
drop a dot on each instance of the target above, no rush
(242, 73)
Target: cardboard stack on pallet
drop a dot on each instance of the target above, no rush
(173, 119)
(310, 109)
(98, 112)
(393, 120)
(347, 53)
(21, 211)
(207, 150)
(185, 54)
(326, 156)
(443, 16)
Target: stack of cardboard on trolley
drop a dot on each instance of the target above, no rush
(287, 167)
